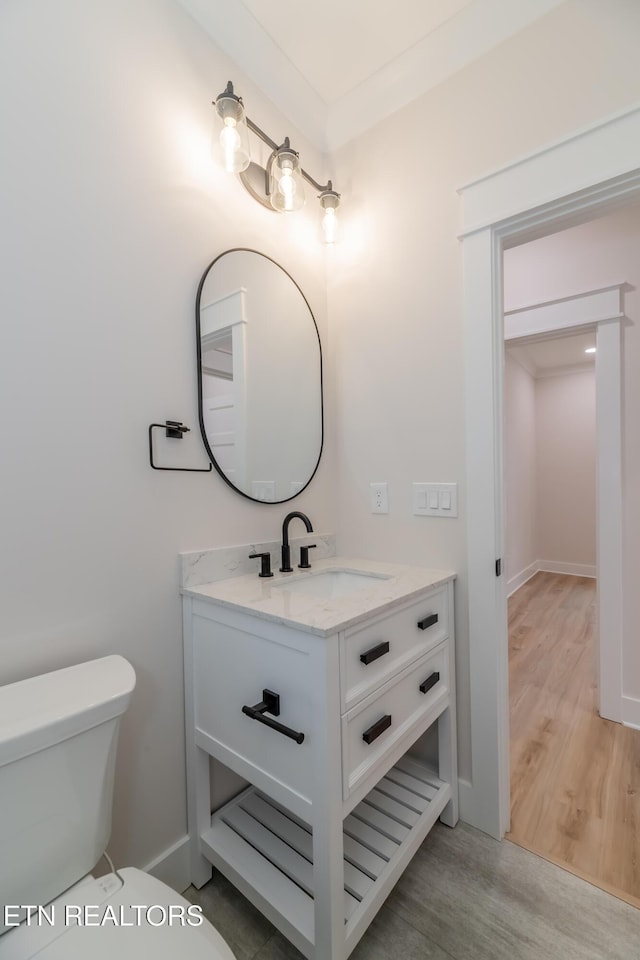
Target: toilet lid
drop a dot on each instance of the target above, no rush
(140, 918)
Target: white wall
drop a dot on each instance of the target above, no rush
(395, 289)
(592, 255)
(111, 209)
(550, 470)
(566, 469)
(520, 467)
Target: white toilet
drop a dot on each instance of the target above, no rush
(58, 738)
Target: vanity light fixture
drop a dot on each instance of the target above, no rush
(280, 184)
(590, 350)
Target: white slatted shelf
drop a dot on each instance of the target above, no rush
(268, 853)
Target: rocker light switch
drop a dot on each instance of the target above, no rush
(435, 499)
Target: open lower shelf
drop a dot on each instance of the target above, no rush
(267, 852)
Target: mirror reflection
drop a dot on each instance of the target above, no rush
(259, 376)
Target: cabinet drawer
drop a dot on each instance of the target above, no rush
(373, 727)
(231, 670)
(372, 654)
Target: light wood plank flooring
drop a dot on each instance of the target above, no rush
(464, 896)
(575, 778)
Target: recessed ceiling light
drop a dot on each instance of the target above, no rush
(590, 350)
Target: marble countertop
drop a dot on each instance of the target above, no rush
(271, 600)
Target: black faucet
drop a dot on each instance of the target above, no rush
(286, 550)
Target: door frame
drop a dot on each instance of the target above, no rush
(588, 174)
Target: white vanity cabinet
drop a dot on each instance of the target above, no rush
(338, 802)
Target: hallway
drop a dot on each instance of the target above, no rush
(575, 778)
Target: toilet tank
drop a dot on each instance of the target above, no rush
(58, 738)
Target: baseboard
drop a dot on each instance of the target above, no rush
(465, 800)
(172, 866)
(572, 569)
(519, 580)
(631, 712)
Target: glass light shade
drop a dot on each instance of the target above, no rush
(231, 139)
(287, 185)
(330, 201)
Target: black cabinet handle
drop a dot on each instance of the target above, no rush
(428, 621)
(270, 703)
(375, 652)
(378, 727)
(431, 681)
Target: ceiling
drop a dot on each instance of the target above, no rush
(338, 68)
(555, 355)
(352, 40)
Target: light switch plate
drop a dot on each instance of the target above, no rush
(435, 499)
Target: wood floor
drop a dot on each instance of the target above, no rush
(464, 896)
(575, 778)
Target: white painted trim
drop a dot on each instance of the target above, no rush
(570, 569)
(592, 307)
(609, 533)
(568, 370)
(550, 147)
(573, 296)
(172, 866)
(582, 177)
(631, 712)
(519, 579)
(575, 171)
(488, 663)
(466, 801)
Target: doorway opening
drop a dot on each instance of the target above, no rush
(587, 175)
(572, 771)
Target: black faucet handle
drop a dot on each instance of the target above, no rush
(304, 556)
(265, 563)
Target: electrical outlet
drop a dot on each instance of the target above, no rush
(379, 498)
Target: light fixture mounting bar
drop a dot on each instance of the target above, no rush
(274, 146)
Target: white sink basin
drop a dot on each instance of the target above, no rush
(330, 584)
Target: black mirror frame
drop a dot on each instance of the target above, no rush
(199, 373)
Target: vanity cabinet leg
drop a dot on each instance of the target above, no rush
(328, 880)
(328, 862)
(447, 732)
(447, 765)
(199, 815)
(198, 777)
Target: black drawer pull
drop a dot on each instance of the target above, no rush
(375, 652)
(270, 703)
(379, 727)
(428, 621)
(431, 681)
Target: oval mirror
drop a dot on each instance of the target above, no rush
(259, 376)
